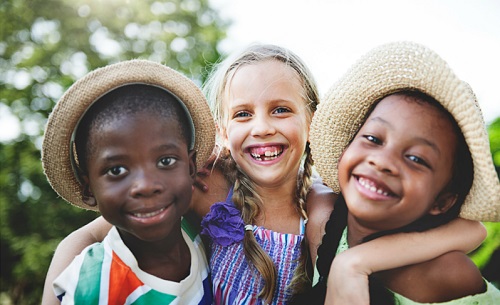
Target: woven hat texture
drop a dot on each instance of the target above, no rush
(57, 151)
(388, 69)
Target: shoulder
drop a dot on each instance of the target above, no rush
(447, 277)
(320, 201)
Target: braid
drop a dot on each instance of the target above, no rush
(304, 184)
(327, 251)
(247, 200)
(300, 280)
(330, 242)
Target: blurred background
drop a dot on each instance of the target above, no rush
(46, 45)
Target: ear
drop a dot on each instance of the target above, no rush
(87, 195)
(192, 164)
(222, 135)
(443, 203)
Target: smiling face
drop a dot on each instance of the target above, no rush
(398, 164)
(141, 174)
(267, 122)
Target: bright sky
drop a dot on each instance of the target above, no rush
(330, 35)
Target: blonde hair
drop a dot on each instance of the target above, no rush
(244, 195)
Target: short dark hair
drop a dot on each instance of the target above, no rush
(129, 100)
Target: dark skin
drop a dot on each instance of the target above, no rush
(423, 282)
(399, 167)
(141, 173)
(426, 282)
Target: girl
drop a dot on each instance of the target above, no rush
(420, 158)
(263, 101)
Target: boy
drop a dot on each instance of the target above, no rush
(122, 141)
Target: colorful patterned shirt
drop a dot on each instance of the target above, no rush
(108, 273)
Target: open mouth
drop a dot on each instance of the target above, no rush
(267, 153)
(373, 187)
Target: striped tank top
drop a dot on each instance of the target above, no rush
(236, 282)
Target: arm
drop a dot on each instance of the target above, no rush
(320, 201)
(358, 262)
(211, 186)
(68, 248)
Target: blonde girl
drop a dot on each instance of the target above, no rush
(263, 102)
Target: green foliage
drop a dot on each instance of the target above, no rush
(494, 133)
(482, 255)
(44, 47)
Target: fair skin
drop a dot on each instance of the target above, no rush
(274, 115)
(395, 171)
(141, 174)
(266, 133)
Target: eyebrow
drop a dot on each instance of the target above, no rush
(120, 155)
(418, 139)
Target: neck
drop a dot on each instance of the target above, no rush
(356, 232)
(168, 258)
(279, 212)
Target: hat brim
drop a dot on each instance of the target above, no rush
(56, 147)
(388, 69)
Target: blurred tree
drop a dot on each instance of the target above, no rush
(44, 47)
(487, 256)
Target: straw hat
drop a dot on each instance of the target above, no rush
(58, 155)
(394, 67)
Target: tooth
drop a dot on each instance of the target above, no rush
(145, 215)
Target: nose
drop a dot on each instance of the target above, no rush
(384, 160)
(145, 184)
(262, 126)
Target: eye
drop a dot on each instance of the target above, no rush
(281, 110)
(418, 160)
(116, 171)
(373, 139)
(166, 161)
(241, 114)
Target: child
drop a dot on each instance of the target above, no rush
(412, 154)
(263, 101)
(122, 140)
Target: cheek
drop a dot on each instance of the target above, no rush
(344, 165)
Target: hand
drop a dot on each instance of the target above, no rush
(347, 281)
(204, 172)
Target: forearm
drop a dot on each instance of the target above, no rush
(403, 249)
(68, 248)
(348, 279)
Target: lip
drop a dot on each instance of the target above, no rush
(373, 188)
(268, 153)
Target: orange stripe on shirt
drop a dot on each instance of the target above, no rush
(122, 281)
